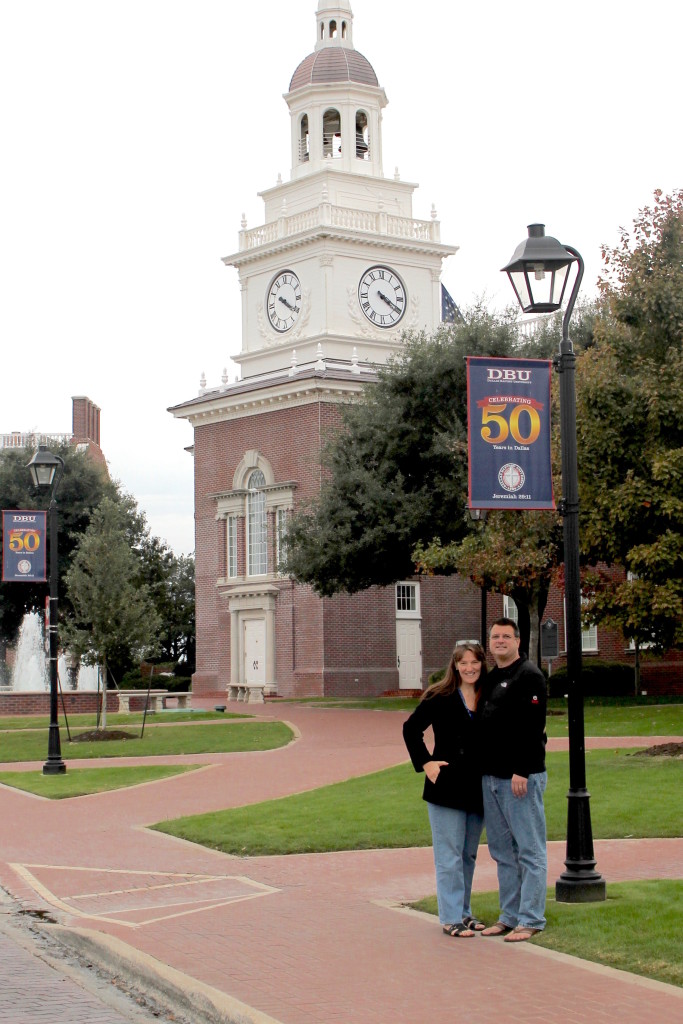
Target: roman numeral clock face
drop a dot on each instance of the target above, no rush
(283, 301)
(382, 296)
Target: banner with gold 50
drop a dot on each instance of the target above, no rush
(23, 546)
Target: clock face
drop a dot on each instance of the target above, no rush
(382, 296)
(283, 301)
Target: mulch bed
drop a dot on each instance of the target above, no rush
(661, 750)
(101, 735)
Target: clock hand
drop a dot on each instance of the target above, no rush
(294, 309)
(388, 301)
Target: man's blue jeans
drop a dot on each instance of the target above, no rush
(515, 829)
(455, 838)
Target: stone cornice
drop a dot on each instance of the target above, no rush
(289, 393)
(324, 233)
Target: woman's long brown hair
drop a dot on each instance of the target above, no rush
(451, 681)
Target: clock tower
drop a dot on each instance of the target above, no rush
(330, 281)
(340, 261)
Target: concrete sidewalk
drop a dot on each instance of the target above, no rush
(310, 939)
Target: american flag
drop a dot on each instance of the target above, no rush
(450, 314)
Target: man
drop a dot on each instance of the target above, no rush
(512, 721)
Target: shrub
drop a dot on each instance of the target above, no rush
(134, 680)
(435, 677)
(598, 679)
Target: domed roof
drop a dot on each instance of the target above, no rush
(333, 64)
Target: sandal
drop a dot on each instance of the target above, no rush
(497, 929)
(474, 924)
(522, 933)
(458, 931)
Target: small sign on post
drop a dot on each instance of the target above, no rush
(550, 643)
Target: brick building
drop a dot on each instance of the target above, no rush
(85, 432)
(339, 268)
(329, 282)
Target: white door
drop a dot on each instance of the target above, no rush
(409, 653)
(255, 651)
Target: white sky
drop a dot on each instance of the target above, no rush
(136, 132)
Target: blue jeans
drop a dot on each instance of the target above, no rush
(455, 838)
(515, 829)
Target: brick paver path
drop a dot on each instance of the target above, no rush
(34, 992)
(311, 939)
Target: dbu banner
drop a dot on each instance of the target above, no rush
(23, 546)
(508, 433)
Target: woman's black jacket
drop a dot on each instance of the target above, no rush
(455, 741)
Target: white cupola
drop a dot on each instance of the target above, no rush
(335, 101)
(335, 24)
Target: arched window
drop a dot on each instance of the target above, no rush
(362, 136)
(332, 134)
(304, 140)
(257, 525)
(343, 30)
(333, 30)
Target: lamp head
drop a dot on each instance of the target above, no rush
(478, 515)
(538, 271)
(43, 467)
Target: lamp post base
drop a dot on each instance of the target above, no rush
(579, 882)
(577, 888)
(54, 764)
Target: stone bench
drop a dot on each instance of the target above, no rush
(183, 700)
(139, 698)
(249, 693)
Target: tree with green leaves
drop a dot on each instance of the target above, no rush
(630, 433)
(113, 617)
(84, 484)
(171, 582)
(396, 469)
(515, 553)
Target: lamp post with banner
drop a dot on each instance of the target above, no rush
(46, 472)
(539, 272)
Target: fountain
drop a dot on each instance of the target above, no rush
(30, 666)
(29, 679)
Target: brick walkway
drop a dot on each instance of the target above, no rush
(311, 939)
(34, 989)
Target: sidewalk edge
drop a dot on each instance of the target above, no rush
(176, 991)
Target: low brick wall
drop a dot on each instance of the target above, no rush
(75, 701)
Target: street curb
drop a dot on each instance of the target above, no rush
(172, 989)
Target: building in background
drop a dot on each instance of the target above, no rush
(85, 432)
(337, 271)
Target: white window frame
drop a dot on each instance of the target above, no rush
(407, 593)
(589, 636)
(232, 522)
(257, 525)
(510, 609)
(281, 520)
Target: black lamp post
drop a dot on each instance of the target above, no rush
(46, 472)
(478, 515)
(539, 270)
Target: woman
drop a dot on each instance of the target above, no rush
(452, 786)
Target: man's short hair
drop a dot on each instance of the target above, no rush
(504, 621)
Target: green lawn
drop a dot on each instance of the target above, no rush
(636, 929)
(643, 716)
(621, 720)
(631, 796)
(84, 781)
(158, 740)
(11, 722)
